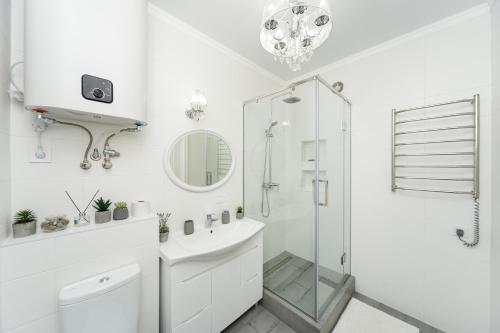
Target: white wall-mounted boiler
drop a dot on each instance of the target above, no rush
(86, 59)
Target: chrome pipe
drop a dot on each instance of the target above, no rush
(435, 105)
(85, 164)
(432, 142)
(476, 145)
(393, 147)
(298, 83)
(431, 190)
(465, 153)
(436, 178)
(449, 115)
(449, 166)
(436, 129)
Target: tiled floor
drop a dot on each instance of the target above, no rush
(362, 315)
(258, 320)
(292, 278)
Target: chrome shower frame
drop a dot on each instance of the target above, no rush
(292, 85)
(289, 90)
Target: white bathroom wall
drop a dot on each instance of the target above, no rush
(495, 255)
(5, 116)
(4, 124)
(404, 252)
(51, 261)
(180, 60)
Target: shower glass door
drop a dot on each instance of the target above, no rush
(294, 182)
(334, 193)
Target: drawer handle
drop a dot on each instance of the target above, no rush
(192, 317)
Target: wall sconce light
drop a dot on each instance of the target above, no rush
(197, 106)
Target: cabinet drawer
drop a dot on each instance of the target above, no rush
(190, 297)
(200, 323)
(252, 265)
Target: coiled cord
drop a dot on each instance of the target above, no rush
(475, 241)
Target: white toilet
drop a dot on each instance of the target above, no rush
(106, 303)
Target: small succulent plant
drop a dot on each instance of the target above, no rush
(163, 220)
(239, 210)
(121, 204)
(24, 216)
(101, 205)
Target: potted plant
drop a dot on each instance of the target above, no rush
(239, 213)
(163, 220)
(24, 223)
(121, 211)
(102, 214)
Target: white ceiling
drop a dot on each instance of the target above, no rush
(357, 25)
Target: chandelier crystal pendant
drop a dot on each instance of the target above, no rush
(292, 29)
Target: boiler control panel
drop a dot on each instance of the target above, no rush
(97, 89)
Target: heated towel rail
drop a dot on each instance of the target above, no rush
(399, 142)
(416, 160)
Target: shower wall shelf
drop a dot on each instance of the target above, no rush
(439, 148)
(308, 160)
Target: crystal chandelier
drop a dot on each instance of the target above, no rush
(292, 29)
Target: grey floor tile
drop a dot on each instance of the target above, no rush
(325, 291)
(306, 278)
(300, 262)
(282, 328)
(244, 320)
(424, 328)
(306, 303)
(281, 277)
(292, 292)
(245, 329)
(276, 262)
(264, 322)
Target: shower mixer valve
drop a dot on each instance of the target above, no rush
(270, 186)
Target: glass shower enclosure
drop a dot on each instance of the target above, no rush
(297, 181)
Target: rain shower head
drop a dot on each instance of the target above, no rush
(292, 99)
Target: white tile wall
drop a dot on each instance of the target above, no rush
(4, 124)
(48, 264)
(5, 116)
(173, 75)
(495, 255)
(403, 251)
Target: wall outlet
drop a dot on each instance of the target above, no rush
(466, 230)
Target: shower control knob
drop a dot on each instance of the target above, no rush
(98, 93)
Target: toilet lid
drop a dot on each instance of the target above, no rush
(98, 285)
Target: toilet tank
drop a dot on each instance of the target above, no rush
(106, 303)
(86, 59)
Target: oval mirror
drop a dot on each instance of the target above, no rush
(199, 161)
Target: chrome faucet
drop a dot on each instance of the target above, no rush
(210, 220)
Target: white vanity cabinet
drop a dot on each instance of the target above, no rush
(206, 293)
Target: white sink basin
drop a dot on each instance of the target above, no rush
(208, 242)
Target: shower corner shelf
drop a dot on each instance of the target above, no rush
(308, 160)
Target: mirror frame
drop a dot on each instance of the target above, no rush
(177, 181)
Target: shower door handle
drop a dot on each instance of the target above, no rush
(324, 181)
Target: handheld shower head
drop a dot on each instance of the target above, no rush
(269, 129)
